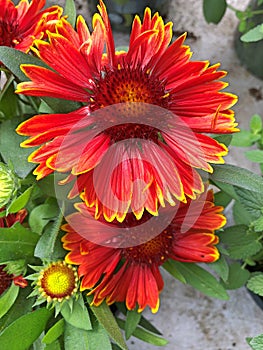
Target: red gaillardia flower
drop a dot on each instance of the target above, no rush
(20, 25)
(137, 142)
(131, 273)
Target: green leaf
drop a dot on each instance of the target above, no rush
(255, 284)
(8, 102)
(70, 11)
(258, 224)
(256, 124)
(239, 177)
(254, 34)
(244, 138)
(20, 334)
(13, 58)
(54, 332)
(221, 267)
(21, 306)
(61, 106)
(17, 243)
(10, 149)
(98, 337)
(53, 346)
(145, 335)
(75, 338)
(251, 201)
(21, 201)
(241, 215)
(228, 189)
(8, 298)
(255, 156)
(171, 267)
(49, 186)
(42, 214)
(222, 198)
(147, 325)
(108, 321)
(256, 343)
(237, 277)
(214, 10)
(225, 139)
(78, 316)
(46, 245)
(201, 280)
(240, 242)
(132, 320)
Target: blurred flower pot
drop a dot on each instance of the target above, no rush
(251, 54)
(122, 12)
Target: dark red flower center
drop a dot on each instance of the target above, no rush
(129, 85)
(5, 279)
(9, 33)
(155, 251)
(133, 91)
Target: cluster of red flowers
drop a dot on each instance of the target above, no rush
(131, 152)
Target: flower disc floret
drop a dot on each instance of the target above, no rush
(58, 281)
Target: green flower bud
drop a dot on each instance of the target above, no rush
(8, 184)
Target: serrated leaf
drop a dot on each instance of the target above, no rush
(256, 343)
(237, 277)
(108, 321)
(145, 335)
(54, 332)
(202, 280)
(17, 243)
(255, 155)
(254, 34)
(21, 201)
(8, 298)
(244, 138)
(10, 149)
(78, 316)
(255, 284)
(132, 320)
(251, 201)
(258, 224)
(237, 176)
(256, 124)
(20, 334)
(241, 243)
(70, 12)
(241, 215)
(214, 10)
